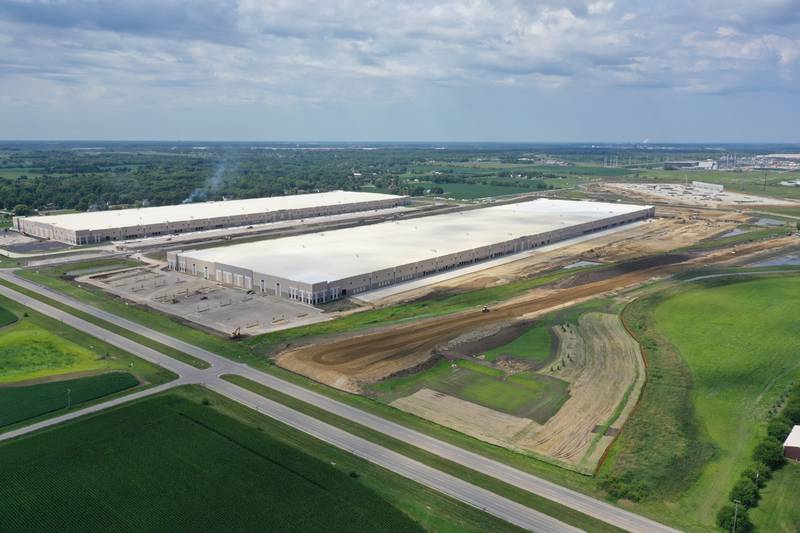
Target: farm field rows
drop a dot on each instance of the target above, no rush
(23, 402)
(190, 460)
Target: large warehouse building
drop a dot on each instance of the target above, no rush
(325, 266)
(100, 226)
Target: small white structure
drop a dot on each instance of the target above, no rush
(791, 446)
(710, 187)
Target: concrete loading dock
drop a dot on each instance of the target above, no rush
(320, 267)
(101, 226)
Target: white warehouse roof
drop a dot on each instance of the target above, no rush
(338, 254)
(123, 218)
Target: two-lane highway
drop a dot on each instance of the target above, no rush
(220, 365)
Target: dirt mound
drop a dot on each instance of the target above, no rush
(583, 278)
(478, 342)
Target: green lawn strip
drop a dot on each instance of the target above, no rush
(166, 350)
(251, 349)
(193, 460)
(533, 501)
(778, 510)
(94, 266)
(18, 404)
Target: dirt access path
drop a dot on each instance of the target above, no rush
(605, 370)
(352, 360)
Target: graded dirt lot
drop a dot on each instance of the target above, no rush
(448, 411)
(204, 302)
(678, 193)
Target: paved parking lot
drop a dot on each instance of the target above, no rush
(223, 309)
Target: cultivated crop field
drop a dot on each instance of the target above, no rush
(6, 317)
(19, 403)
(720, 353)
(190, 460)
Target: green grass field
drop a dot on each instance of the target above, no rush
(741, 344)
(524, 394)
(26, 402)
(38, 347)
(778, 510)
(28, 351)
(720, 353)
(170, 463)
(533, 345)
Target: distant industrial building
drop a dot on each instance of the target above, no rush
(791, 446)
(710, 187)
(319, 267)
(777, 161)
(125, 224)
(708, 164)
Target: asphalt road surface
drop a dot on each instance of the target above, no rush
(491, 503)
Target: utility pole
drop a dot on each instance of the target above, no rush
(735, 515)
(69, 398)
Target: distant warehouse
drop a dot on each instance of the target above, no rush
(100, 226)
(325, 266)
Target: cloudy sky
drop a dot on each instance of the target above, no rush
(494, 70)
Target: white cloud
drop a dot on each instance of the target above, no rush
(302, 51)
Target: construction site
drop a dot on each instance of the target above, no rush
(544, 368)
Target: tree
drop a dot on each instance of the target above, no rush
(745, 492)
(770, 452)
(728, 514)
(779, 428)
(759, 473)
(21, 210)
(792, 409)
